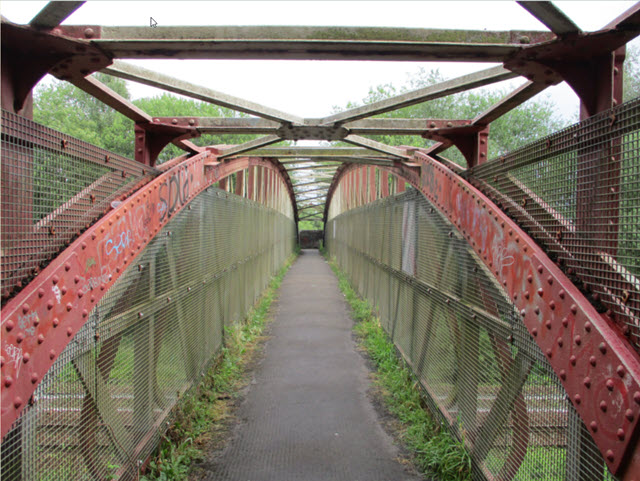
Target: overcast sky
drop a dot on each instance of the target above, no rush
(312, 88)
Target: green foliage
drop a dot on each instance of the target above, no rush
(310, 225)
(532, 120)
(63, 107)
(631, 79)
(199, 411)
(436, 452)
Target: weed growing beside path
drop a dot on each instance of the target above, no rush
(201, 415)
(435, 451)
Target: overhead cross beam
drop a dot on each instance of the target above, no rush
(53, 14)
(551, 16)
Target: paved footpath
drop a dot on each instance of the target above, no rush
(307, 416)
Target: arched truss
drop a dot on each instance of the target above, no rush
(60, 299)
(573, 336)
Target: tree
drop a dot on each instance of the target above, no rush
(532, 120)
(63, 107)
(631, 79)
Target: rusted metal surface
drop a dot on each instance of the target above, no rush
(43, 318)
(579, 342)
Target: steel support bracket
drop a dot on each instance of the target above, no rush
(28, 54)
(590, 63)
(471, 140)
(152, 137)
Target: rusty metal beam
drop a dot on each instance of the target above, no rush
(165, 82)
(315, 167)
(376, 146)
(315, 182)
(302, 192)
(97, 89)
(448, 87)
(551, 16)
(630, 19)
(248, 146)
(311, 206)
(53, 14)
(309, 43)
(306, 152)
(511, 101)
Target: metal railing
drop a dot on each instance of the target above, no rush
(101, 409)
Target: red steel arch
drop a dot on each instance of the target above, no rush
(563, 323)
(60, 299)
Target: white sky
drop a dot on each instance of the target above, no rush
(312, 88)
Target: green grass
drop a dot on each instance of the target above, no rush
(203, 411)
(435, 451)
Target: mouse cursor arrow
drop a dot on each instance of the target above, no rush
(152, 22)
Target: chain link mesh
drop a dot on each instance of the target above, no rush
(108, 398)
(481, 371)
(577, 193)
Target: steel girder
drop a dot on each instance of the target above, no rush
(573, 336)
(107, 247)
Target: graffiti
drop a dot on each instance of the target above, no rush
(15, 356)
(430, 180)
(96, 281)
(90, 263)
(124, 240)
(174, 193)
(24, 322)
(57, 293)
(502, 260)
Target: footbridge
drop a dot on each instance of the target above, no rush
(510, 286)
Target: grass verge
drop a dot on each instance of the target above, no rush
(201, 417)
(434, 450)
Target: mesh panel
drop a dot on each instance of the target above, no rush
(481, 372)
(577, 193)
(104, 404)
(53, 188)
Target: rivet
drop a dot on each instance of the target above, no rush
(587, 382)
(537, 310)
(610, 456)
(140, 314)
(9, 325)
(565, 321)
(610, 385)
(572, 360)
(526, 294)
(550, 280)
(17, 402)
(84, 246)
(560, 342)
(69, 332)
(529, 278)
(540, 269)
(577, 399)
(19, 337)
(547, 324)
(603, 348)
(41, 292)
(40, 338)
(63, 290)
(25, 357)
(55, 322)
(563, 374)
(577, 340)
(55, 279)
(620, 434)
(8, 381)
(603, 406)
(594, 426)
(34, 378)
(534, 331)
(25, 308)
(629, 415)
(52, 354)
(561, 294)
(593, 361)
(85, 313)
(1, 361)
(69, 306)
(67, 267)
(549, 352)
(587, 326)
(93, 299)
(636, 397)
(574, 309)
(50, 304)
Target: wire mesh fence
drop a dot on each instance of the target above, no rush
(53, 188)
(577, 193)
(481, 371)
(107, 400)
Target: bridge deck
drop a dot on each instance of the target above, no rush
(307, 414)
